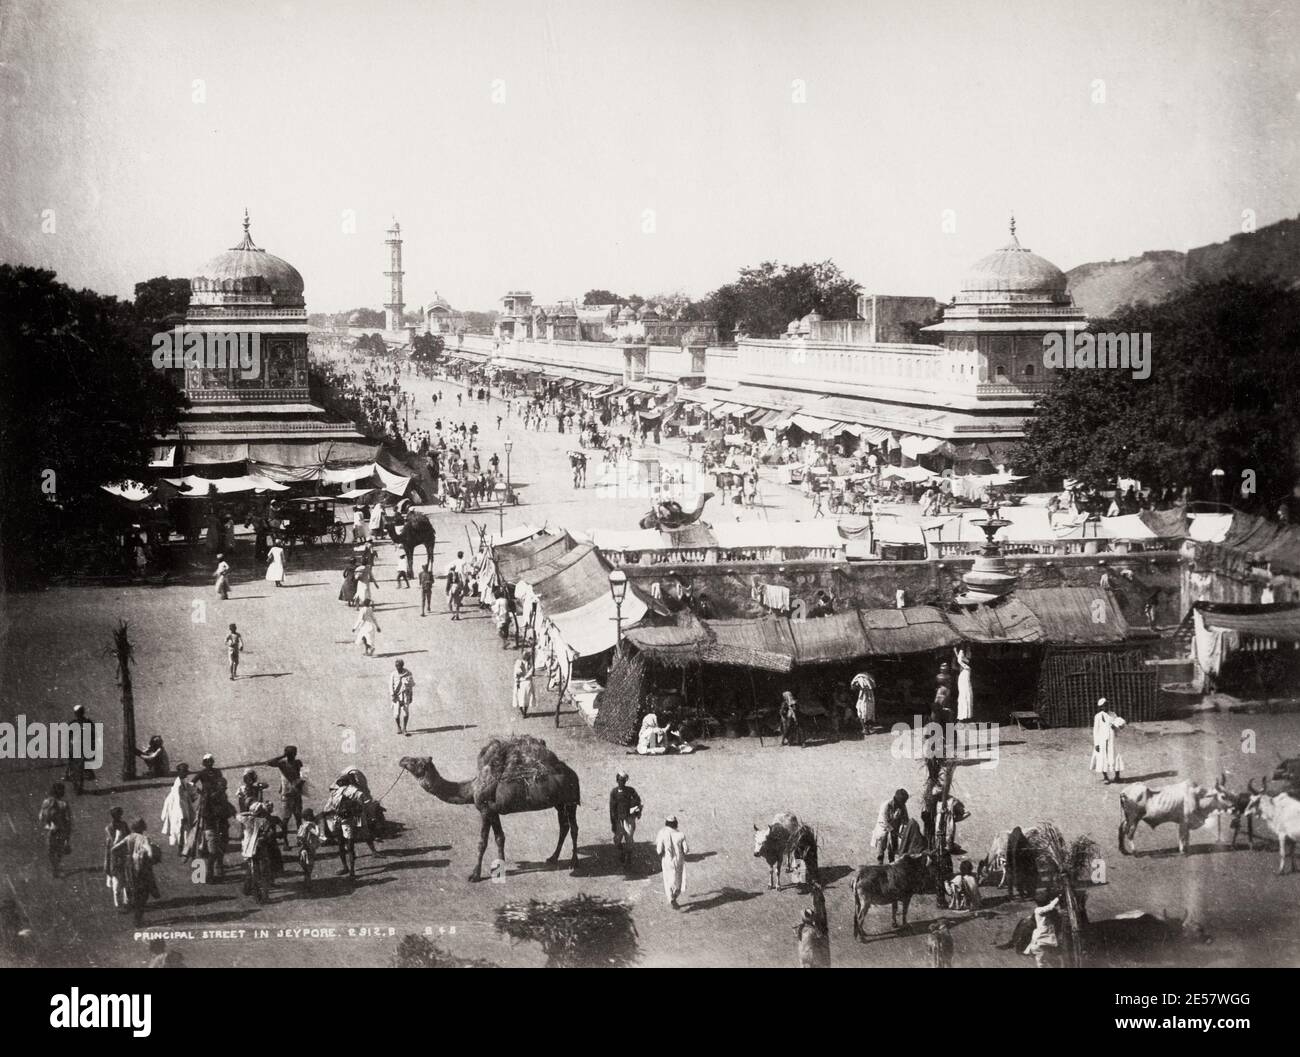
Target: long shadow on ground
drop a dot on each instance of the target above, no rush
(721, 898)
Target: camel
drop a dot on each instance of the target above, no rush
(514, 774)
(669, 514)
(416, 530)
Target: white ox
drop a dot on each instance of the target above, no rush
(1281, 814)
(1185, 804)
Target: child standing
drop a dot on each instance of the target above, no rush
(426, 589)
(115, 857)
(457, 593)
(234, 647)
(308, 842)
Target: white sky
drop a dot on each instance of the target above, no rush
(385, 107)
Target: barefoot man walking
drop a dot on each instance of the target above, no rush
(401, 686)
(672, 849)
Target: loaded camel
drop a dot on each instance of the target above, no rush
(514, 774)
(416, 530)
(668, 514)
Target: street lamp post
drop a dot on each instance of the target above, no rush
(618, 591)
(501, 503)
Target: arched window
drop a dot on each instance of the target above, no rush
(1002, 371)
(1029, 370)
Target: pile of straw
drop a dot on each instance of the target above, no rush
(419, 952)
(581, 932)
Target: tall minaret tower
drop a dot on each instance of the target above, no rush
(394, 306)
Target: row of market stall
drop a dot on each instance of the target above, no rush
(743, 414)
(1040, 651)
(1055, 650)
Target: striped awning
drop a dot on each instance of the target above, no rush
(811, 423)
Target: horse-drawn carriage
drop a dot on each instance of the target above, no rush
(308, 520)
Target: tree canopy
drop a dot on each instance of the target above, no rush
(1221, 394)
(82, 402)
(766, 298)
(427, 347)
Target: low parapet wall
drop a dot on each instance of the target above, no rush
(873, 584)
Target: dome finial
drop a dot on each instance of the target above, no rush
(247, 244)
(1014, 244)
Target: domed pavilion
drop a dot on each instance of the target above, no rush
(1007, 302)
(247, 379)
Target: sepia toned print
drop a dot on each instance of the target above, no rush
(666, 485)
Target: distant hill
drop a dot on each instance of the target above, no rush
(1272, 252)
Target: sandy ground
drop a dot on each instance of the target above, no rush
(302, 681)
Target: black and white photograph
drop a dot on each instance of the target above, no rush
(594, 484)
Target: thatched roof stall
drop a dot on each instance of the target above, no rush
(1005, 621)
(515, 559)
(1086, 657)
(572, 590)
(1071, 680)
(766, 644)
(1076, 616)
(622, 701)
(831, 639)
(915, 629)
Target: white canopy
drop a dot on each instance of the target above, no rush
(910, 474)
(913, 445)
(130, 490)
(204, 486)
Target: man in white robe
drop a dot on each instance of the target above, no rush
(178, 810)
(672, 850)
(1105, 747)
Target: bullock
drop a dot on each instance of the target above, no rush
(1011, 863)
(894, 883)
(1136, 935)
(1185, 804)
(1281, 814)
(1240, 801)
(784, 841)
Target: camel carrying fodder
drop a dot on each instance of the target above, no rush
(514, 775)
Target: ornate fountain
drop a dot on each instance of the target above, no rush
(988, 579)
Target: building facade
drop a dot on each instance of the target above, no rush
(244, 368)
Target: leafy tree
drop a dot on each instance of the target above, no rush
(162, 301)
(1221, 393)
(81, 404)
(765, 299)
(427, 348)
(601, 297)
